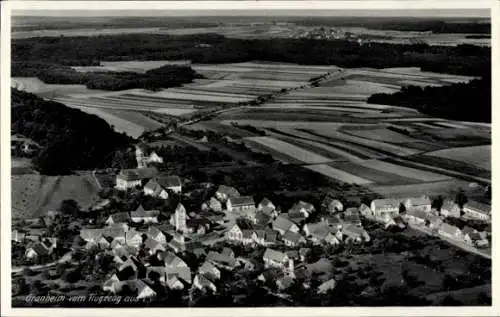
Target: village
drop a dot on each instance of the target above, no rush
(227, 231)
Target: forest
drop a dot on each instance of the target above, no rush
(163, 77)
(71, 139)
(89, 51)
(463, 101)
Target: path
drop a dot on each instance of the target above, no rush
(64, 258)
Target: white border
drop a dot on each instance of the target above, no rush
(7, 7)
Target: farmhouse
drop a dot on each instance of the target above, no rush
(37, 251)
(203, 284)
(152, 188)
(332, 220)
(449, 231)
(293, 239)
(266, 203)
(156, 234)
(415, 216)
(215, 205)
(224, 192)
(144, 216)
(379, 206)
(273, 258)
(477, 210)
(326, 286)
(239, 204)
(420, 203)
(131, 178)
(450, 209)
(333, 205)
(179, 218)
(170, 182)
(304, 208)
(144, 156)
(355, 234)
(282, 224)
(119, 217)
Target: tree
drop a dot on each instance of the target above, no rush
(69, 207)
(461, 198)
(20, 287)
(72, 276)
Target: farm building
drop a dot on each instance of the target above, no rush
(355, 233)
(152, 188)
(145, 216)
(144, 155)
(379, 206)
(266, 203)
(450, 209)
(273, 258)
(282, 224)
(224, 192)
(421, 203)
(415, 216)
(131, 178)
(302, 207)
(477, 210)
(451, 232)
(240, 204)
(170, 182)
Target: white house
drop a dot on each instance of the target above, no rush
(239, 204)
(203, 284)
(282, 224)
(477, 210)
(385, 205)
(274, 258)
(450, 209)
(145, 216)
(131, 178)
(170, 182)
(450, 231)
(418, 203)
(152, 188)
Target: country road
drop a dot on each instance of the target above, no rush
(63, 259)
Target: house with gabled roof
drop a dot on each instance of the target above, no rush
(365, 211)
(418, 203)
(175, 284)
(144, 290)
(152, 246)
(266, 203)
(214, 204)
(332, 220)
(326, 286)
(450, 209)
(37, 251)
(134, 238)
(271, 237)
(91, 234)
(282, 224)
(355, 234)
(240, 204)
(144, 216)
(222, 260)
(278, 259)
(451, 232)
(385, 205)
(476, 210)
(152, 188)
(293, 239)
(415, 216)
(119, 217)
(170, 182)
(131, 178)
(305, 208)
(209, 270)
(247, 237)
(262, 218)
(204, 284)
(284, 282)
(224, 192)
(235, 233)
(156, 234)
(331, 205)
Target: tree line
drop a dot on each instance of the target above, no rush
(89, 51)
(70, 138)
(462, 101)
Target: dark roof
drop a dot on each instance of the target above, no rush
(262, 218)
(477, 206)
(145, 213)
(143, 147)
(120, 217)
(266, 202)
(169, 181)
(242, 201)
(40, 249)
(282, 223)
(292, 236)
(274, 255)
(138, 173)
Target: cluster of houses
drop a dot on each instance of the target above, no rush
(418, 213)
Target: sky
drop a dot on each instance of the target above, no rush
(428, 13)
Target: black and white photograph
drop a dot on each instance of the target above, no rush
(270, 158)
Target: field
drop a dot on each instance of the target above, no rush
(479, 156)
(33, 195)
(327, 127)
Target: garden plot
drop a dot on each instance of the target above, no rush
(479, 156)
(338, 174)
(290, 150)
(129, 66)
(403, 171)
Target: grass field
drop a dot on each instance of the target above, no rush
(338, 174)
(33, 195)
(479, 156)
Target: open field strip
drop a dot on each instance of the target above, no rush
(289, 66)
(300, 108)
(137, 118)
(403, 171)
(445, 188)
(126, 102)
(346, 150)
(281, 124)
(377, 133)
(166, 103)
(174, 112)
(374, 175)
(277, 155)
(205, 92)
(415, 71)
(479, 156)
(290, 150)
(118, 124)
(419, 83)
(338, 174)
(195, 97)
(426, 125)
(450, 124)
(104, 104)
(317, 147)
(381, 146)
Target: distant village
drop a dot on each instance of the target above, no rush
(146, 248)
